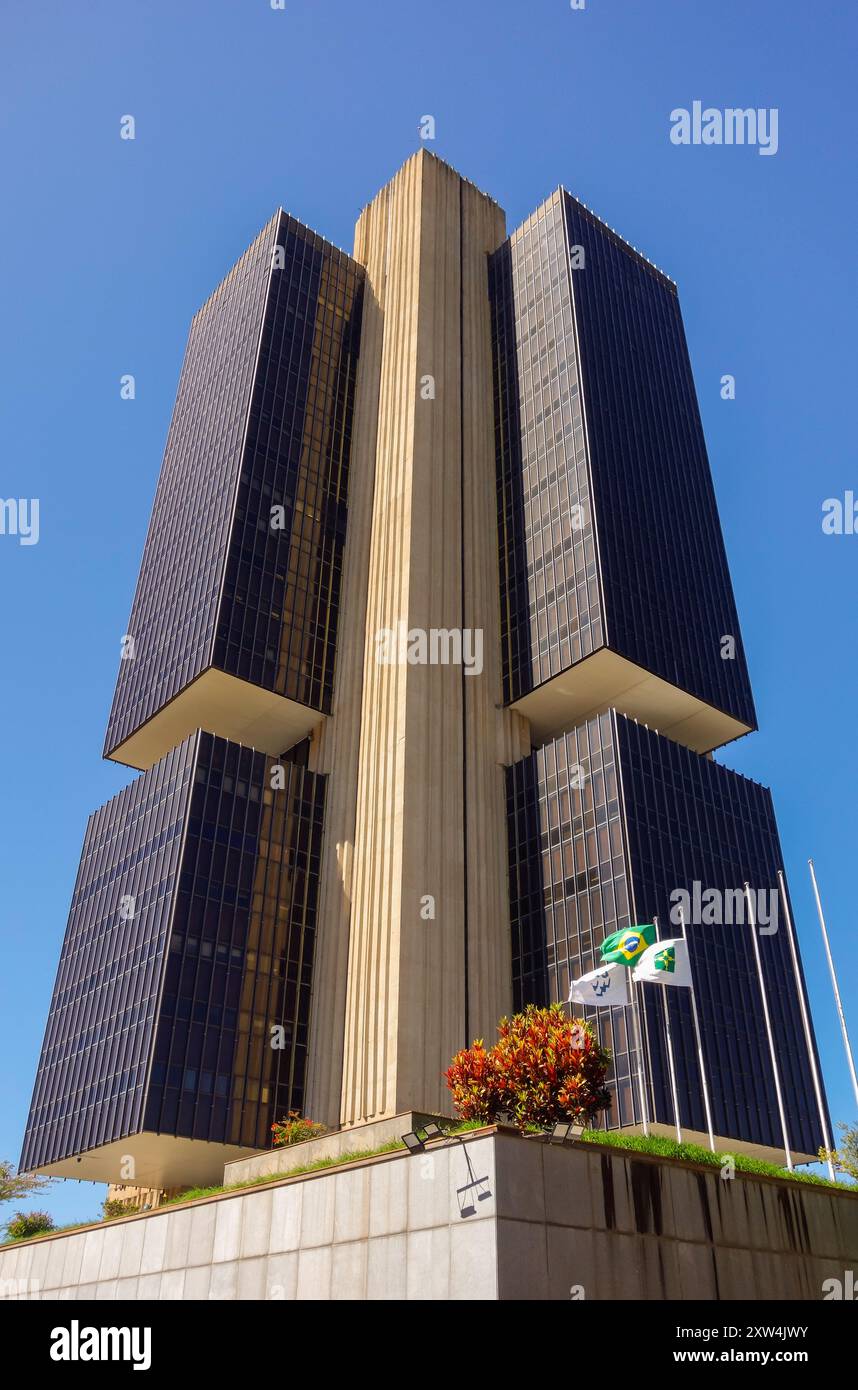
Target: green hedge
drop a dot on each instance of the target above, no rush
(668, 1148)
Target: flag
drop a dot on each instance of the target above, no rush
(665, 963)
(624, 947)
(605, 987)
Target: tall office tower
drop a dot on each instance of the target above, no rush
(616, 601)
(190, 941)
(433, 634)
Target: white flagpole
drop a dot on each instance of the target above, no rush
(846, 1043)
(814, 1070)
(639, 1045)
(699, 1041)
(633, 993)
(765, 999)
(665, 994)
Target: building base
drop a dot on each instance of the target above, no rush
(485, 1216)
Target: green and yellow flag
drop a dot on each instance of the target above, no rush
(624, 947)
(665, 963)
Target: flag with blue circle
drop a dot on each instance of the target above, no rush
(624, 947)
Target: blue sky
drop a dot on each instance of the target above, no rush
(107, 247)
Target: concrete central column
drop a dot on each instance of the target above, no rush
(428, 954)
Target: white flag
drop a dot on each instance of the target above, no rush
(606, 987)
(664, 963)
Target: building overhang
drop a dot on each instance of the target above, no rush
(224, 705)
(605, 680)
(160, 1161)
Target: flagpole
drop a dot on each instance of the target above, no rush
(641, 1087)
(846, 1043)
(814, 1071)
(699, 1041)
(665, 995)
(765, 1000)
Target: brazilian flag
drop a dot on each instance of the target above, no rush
(624, 947)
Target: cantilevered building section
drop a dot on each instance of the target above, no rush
(606, 823)
(178, 1026)
(614, 581)
(233, 625)
(452, 430)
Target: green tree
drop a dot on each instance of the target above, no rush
(112, 1207)
(14, 1186)
(844, 1159)
(28, 1223)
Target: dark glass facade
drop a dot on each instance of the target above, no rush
(609, 530)
(551, 598)
(651, 817)
(190, 938)
(570, 883)
(91, 1082)
(690, 819)
(262, 421)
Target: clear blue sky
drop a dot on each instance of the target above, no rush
(107, 248)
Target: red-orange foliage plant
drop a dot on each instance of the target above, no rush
(544, 1068)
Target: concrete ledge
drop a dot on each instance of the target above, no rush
(372, 1135)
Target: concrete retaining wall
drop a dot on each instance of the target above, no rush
(615, 1225)
(387, 1228)
(373, 1135)
(492, 1216)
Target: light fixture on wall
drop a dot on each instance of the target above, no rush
(415, 1144)
(566, 1133)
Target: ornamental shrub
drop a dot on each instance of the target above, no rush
(294, 1129)
(28, 1223)
(544, 1068)
(112, 1207)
